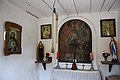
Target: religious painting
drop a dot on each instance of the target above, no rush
(108, 28)
(12, 38)
(75, 41)
(46, 31)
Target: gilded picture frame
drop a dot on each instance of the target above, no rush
(12, 38)
(46, 31)
(108, 28)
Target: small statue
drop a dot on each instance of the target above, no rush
(40, 52)
(113, 50)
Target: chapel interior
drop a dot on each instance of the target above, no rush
(60, 40)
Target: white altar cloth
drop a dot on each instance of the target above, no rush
(64, 74)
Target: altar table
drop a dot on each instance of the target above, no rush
(65, 74)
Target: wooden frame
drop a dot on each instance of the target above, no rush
(46, 31)
(108, 28)
(12, 38)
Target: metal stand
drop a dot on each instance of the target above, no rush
(57, 67)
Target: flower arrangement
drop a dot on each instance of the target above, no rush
(105, 55)
(47, 55)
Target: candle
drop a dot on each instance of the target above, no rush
(58, 55)
(91, 56)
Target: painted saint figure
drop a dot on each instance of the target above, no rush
(12, 44)
(113, 49)
(46, 33)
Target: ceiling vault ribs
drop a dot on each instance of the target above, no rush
(32, 14)
(14, 4)
(43, 8)
(54, 4)
(90, 5)
(111, 5)
(48, 5)
(23, 9)
(75, 7)
(102, 5)
(62, 7)
(35, 8)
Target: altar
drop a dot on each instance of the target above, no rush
(67, 74)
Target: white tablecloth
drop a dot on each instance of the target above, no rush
(60, 74)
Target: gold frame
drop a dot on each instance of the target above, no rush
(108, 28)
(46, 31)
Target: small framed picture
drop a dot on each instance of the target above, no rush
(108, 28)
(46, 31)
(12, 38)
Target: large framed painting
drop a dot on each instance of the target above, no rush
(75, 41)
(12, 38)
(46, 31)
(108, 28)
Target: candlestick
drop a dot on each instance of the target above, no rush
(91, 58)
(58, 55)
(83, 66)
(92, 67)
(66, 65)
(57, 66)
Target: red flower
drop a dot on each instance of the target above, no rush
(47, 55)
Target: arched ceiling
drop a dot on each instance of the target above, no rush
(44, 8)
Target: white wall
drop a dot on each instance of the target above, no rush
(119, 32)
(22, 67)
(100, 43)
(18, 67)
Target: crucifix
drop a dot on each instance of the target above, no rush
(75, 45)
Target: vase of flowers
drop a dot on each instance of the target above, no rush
(47, 55)
(105, 55)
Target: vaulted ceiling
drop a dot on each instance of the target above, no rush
(44, 8)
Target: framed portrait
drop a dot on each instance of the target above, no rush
(12, 38)
(46, 31)
(108, 28)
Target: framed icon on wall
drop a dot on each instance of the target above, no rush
(46, 31)
(12, 38)
(108, 28)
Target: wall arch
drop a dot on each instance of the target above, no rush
(91, 25)
(75, 41)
